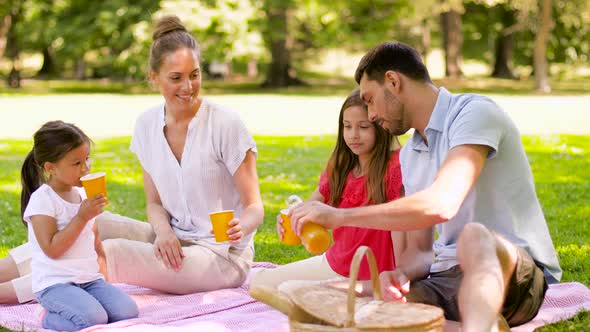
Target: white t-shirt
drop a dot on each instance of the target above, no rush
(216, 144)
(79, 263)
(503, 198)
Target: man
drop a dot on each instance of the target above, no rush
(465, 171)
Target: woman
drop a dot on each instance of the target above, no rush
(197, 158)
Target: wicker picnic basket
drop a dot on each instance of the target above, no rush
(332, 309)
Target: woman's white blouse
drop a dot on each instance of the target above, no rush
(216, 144)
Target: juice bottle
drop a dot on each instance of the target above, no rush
(315, 238)
(289, 237)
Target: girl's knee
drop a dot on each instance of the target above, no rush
(90, 317)
(266, 278)
(127, 310)
(98, 317)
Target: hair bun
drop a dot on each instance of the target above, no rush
(167, 24)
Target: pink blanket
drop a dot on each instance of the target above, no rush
(234, 310)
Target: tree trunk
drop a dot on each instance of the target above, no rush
(279, 42)
(452, 42)
(12, 47)
(48, 69)
(541, 67)
(80, 69)
(252, 68)
(505, 44)
(426, 42)
(4, 26)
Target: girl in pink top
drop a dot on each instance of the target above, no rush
(363, 169)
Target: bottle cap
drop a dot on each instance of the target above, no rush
(293, 200)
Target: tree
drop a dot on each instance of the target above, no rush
(504, 42)
(414, 24)
(5, 21)
(12, 43)
(507, 19)
(279, 40)
(36, 33)
(100, 38)
(452, 32)
(219, 29)
(541, 66)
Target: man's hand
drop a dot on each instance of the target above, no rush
(315, 212)
(168, 249)
(394, 284)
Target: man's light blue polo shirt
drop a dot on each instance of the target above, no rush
(503, 198)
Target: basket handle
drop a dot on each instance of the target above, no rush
(354, 271)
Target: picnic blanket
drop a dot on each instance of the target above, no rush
(234, 310)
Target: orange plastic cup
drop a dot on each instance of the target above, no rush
(315, 238)
(94, 184)
(220, 222)
(289, 237)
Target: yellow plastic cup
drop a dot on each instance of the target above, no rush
(220, 222)
(94, 184)
(289, 237)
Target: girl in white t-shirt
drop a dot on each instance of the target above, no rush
(65, 273)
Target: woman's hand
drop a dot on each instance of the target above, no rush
(235, 231)
(280, 229)
(92, 207)
(167, 249)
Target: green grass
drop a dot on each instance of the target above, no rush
(291, 165)
(317, 85)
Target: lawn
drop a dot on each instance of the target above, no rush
(316, 85)
(291, 165)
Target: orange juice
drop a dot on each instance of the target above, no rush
(315, 238)
(289, 237)
(94, 184)
(220, 222)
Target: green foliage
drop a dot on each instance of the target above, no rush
(105, 34)
(218, 26)
(113, 37)
(569, 42)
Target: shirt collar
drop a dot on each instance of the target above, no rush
(163, 113)
(436, 122)
(443, 103)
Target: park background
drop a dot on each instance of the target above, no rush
(287, 66)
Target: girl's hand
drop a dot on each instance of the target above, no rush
(394, 285)
(92, 207)
(235, 231)
(280, 229)
(167, 249)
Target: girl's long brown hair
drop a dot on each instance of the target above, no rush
(343, 160)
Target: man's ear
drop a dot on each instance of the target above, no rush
(393, 80)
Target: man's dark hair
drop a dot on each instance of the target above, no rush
(394, 56)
